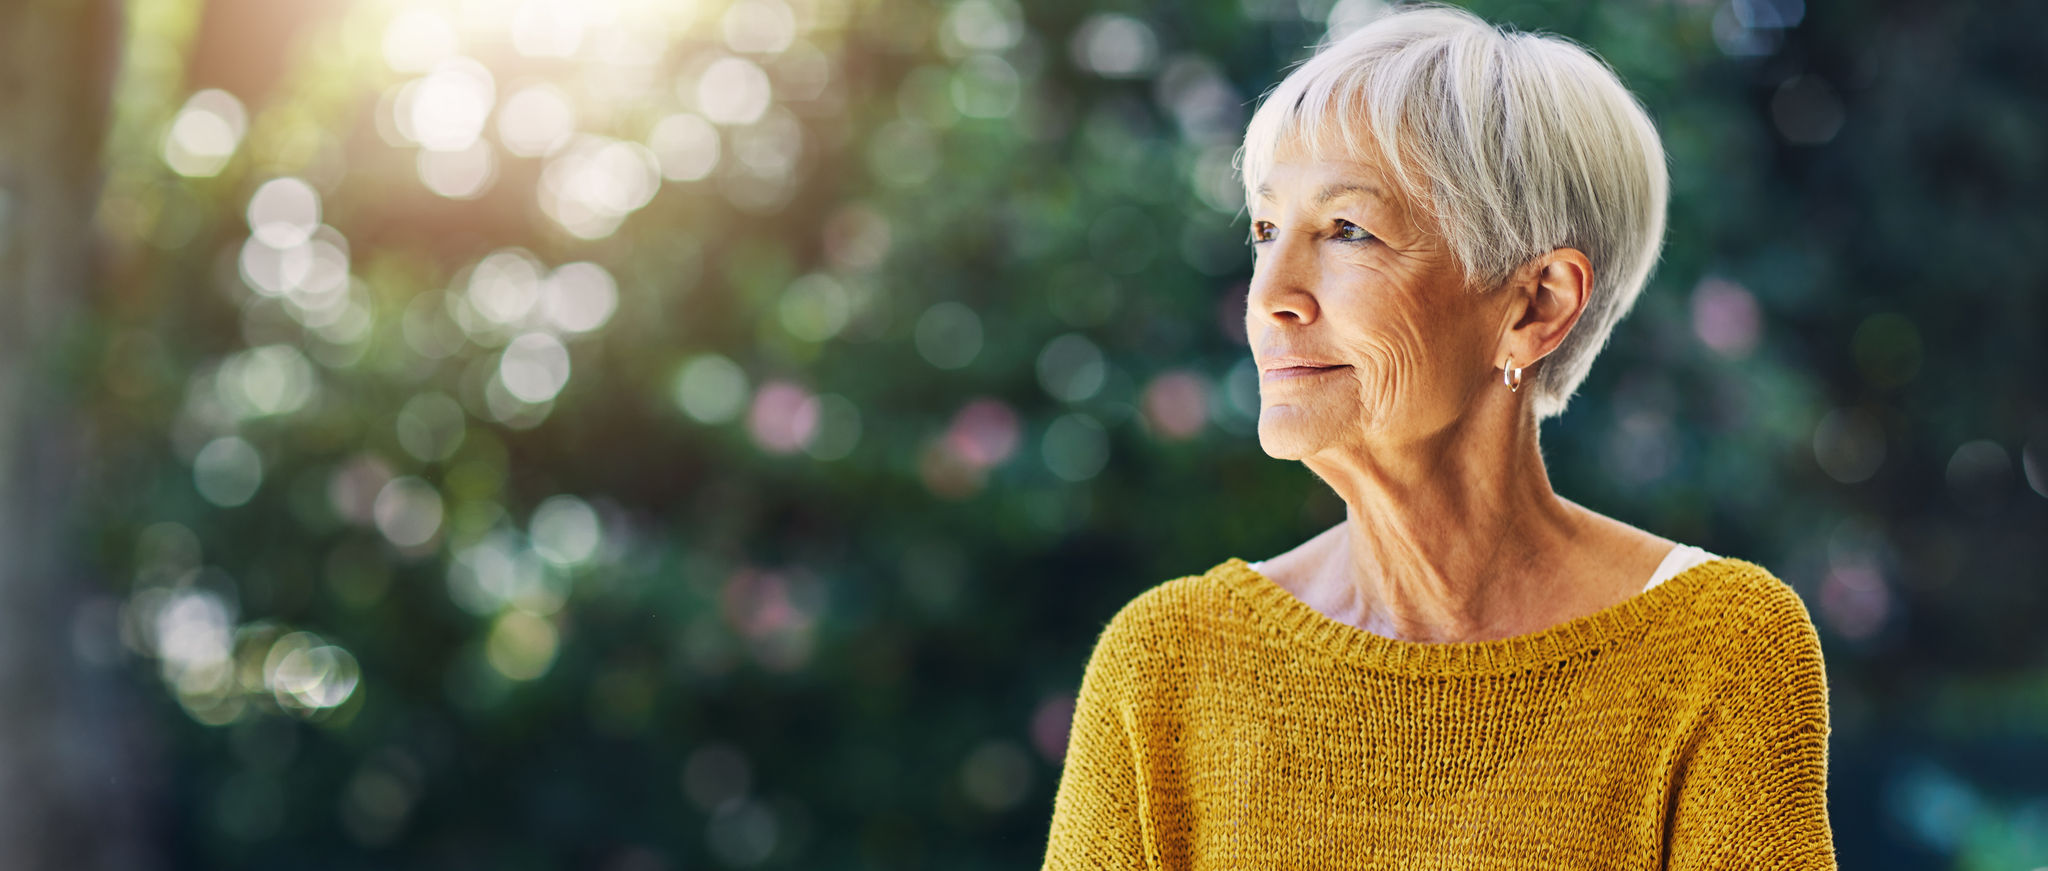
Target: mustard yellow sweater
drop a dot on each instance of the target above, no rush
(1222, 723)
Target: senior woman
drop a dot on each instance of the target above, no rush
(1469, 671)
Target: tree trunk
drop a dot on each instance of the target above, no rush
(70, 794)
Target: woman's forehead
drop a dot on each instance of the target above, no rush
(1321, 189)
(1303, 179)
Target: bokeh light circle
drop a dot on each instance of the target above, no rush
(733, 90)
(284, 212)
(227, 471)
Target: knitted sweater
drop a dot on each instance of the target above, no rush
(1223, 723)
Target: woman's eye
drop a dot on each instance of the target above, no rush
(1349, 232)
(1262, 231)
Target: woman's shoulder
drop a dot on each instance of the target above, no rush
(1162, 619)
(1760, 646)
(1748, 617)
(1733, 587)
(1165, 631)
(1173, 602)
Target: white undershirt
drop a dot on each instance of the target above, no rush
(1679, 559)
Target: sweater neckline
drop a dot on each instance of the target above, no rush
(1352, 644)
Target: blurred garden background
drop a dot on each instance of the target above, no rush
(665, 434)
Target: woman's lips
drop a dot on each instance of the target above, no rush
(1299, 372)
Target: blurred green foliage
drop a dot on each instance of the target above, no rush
(776, 534)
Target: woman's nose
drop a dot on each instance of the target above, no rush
(1283, 279)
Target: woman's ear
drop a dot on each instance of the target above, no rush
(1550, 292)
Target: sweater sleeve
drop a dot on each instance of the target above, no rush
(1754, 793)
(1096, 822)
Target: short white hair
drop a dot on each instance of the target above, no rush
(1519, 143)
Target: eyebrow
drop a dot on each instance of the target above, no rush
(1330, 192)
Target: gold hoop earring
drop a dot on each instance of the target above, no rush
(1511, 376)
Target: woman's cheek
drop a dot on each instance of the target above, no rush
(1400, 353)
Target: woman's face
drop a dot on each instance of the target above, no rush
(1347, 272)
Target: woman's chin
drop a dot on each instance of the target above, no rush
(1292, 432)
(1287, 436)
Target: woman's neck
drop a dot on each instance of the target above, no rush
(1457, 537)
